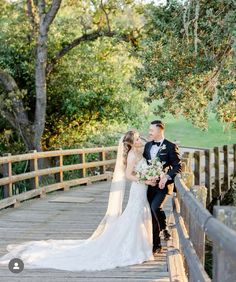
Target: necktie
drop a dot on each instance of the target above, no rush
(156, 143)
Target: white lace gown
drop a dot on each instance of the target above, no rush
(127, 241)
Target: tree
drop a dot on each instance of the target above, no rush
(24, 89)
(188, 59)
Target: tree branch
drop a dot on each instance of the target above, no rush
(9, 85)
(18, 114)
(186, 18)
(31, 16)
(52, 12)
(41, 7)
(197, 8)
(106, 15)
(8, 81)
(86, 37)
(9, 116)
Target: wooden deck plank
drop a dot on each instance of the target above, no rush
(40, 219)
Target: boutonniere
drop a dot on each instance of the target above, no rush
(163, 147)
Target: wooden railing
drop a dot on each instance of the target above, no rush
(213, 168)
(9, 179)
(194, 222)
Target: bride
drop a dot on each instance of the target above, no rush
(121, 239)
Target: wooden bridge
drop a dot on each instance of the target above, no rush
(73, 192)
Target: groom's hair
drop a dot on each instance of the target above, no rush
(158, 123)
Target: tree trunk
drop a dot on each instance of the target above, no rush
(40, 82)
(45, 20)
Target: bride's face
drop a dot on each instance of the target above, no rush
(137, 141)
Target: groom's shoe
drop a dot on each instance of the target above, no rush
(166, 235)
(157, 250)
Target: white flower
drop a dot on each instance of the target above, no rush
(154, 169)
(163, 147)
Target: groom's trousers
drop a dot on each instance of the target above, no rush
(156, 198)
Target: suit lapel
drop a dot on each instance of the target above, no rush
(148, 150)
(158, 153)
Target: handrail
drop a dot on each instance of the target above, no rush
(35, 172)
(196, 268)
(209, 224)
(46, 171)
(56, 153)
(194, 222)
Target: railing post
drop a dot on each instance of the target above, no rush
(234, 158)
(226, 168)
(208, 174)
(83, 162)
(187, 162)
(7, 172)
(217, 171)
(197, 167)
(59, 162)
(223, 264)
(102, 157)
(34, 167)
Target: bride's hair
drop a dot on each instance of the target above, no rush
(128, 143)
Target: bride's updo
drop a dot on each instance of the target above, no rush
(128, 143)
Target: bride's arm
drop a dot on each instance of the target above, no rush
(129, 172)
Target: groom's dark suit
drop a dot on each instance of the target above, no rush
(169, 154)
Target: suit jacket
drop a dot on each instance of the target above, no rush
(169, 154)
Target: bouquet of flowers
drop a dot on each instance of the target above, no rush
(154, 169)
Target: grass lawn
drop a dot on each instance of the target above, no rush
(188, 135)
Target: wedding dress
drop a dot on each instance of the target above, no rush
(121, 239)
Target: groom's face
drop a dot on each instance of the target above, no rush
(155, 132)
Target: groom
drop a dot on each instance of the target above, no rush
(157, 193)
